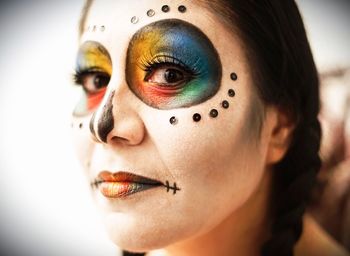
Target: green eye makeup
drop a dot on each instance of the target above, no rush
(93, 71)
(172, 64)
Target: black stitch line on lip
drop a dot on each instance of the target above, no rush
(174, 188)
(96, 183)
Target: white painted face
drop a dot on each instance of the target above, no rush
(217, 162)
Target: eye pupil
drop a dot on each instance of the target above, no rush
(173, 75)
(101, 81)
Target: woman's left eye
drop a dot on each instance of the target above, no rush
(167, 76)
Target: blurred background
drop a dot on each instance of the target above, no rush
(45, 205)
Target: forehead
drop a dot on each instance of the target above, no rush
(120, 12)
(115, 17)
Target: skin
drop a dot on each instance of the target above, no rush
(221, 165)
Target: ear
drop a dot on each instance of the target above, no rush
(281, 129)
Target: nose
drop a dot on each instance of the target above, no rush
(116, 123)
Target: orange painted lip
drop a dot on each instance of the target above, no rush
(106, 176)
(122, 184)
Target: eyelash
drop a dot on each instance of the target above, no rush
(149, 65)
(77, 76)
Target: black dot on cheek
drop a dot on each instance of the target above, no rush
(81, 125)
(182, 8)
(165, 8)
(197, 117)
(233, 76)
(173, 120)
(225, 104)
(213, 113)
(231, 93)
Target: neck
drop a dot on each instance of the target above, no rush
(243, 232)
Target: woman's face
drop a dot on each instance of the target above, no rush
(159, 102)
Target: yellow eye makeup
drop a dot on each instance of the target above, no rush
(93, 71)
(172, 64)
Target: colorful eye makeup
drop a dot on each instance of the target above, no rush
(93, 71)
(172, 64)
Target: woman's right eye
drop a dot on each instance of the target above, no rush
(93, 82)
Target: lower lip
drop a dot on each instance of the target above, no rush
(122, 189)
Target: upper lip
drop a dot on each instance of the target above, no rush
(121, 176)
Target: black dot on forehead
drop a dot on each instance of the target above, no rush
(182, 8)
(233, 76)
(134, 20)
(150, 13)
(165, 8)
(81, 125)
(197, 117)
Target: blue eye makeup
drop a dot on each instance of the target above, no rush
(172, 64)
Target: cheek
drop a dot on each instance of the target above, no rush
(216, 165)
(83, 143)
(89, 102)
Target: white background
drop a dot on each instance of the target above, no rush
(45, 206)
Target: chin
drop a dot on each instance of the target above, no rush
(136, 241)
(143, 234)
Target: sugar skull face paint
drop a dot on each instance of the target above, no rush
(167, 79)
(172, 64)
(93, 71)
